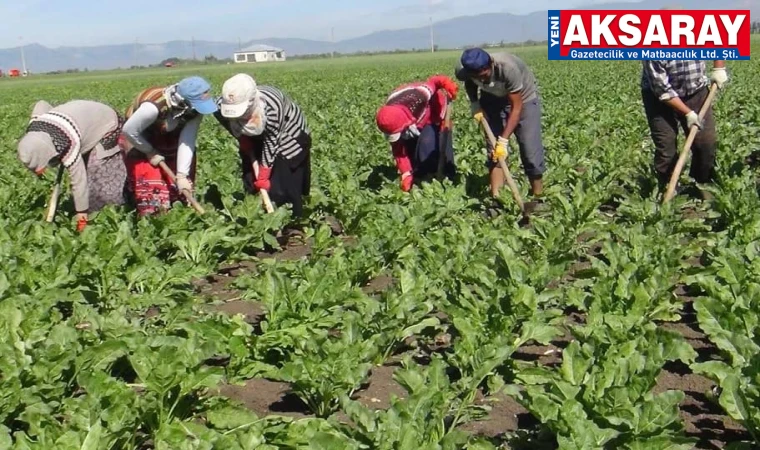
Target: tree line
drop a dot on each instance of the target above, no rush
(755, 28)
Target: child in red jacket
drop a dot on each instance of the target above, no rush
(411, 119)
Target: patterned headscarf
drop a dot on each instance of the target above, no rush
(414, 97)
(63, 132)
(177, 105)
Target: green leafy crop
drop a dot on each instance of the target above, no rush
(108, 343)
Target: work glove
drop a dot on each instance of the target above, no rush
(719, 76)
(155, 159)
(406, 181)
(81, 221)
(262, 181)
(184, 183)
(477, 111)
(693, 119)
(411, 132)
(501, 149)
(403, 164)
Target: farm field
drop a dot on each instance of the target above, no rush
(417, 321)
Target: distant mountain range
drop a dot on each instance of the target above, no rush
(453, 33)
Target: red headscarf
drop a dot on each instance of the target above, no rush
(392, 119)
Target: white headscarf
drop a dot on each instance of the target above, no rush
(254, 122)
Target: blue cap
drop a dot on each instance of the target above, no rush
(475, 59)
(195, 90)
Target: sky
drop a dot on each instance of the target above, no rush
(55, 23)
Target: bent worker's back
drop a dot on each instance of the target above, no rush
(93, 120)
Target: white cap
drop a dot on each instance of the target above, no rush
(237, 93)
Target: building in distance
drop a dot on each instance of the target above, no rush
(259, 53)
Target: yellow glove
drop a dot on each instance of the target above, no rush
(477, 113)
(501, 149)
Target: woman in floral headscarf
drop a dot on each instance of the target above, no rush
(81, 135)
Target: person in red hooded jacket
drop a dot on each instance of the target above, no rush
(411, 119)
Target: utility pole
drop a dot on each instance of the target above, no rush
(240, 44)
(134, 56)
(192, 40)
(432, 41)
(23, 57)
(332, 38)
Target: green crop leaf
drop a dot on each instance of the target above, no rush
(659, 413)
(733, 400)
(92, 441)
(662, 443)
(541, 333)
(229, 418)
(716, 370)
(5, 437)
(575, 364)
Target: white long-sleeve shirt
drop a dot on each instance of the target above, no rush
(145, 116)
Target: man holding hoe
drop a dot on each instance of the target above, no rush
(510, 103)
(673, 92)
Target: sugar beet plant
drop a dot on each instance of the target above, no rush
(106, 343)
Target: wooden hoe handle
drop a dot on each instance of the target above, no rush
(504, 168)
(53, 203)
(443, 141)
(669, 193)
(194, 203)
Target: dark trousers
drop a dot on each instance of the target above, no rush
(424, 151)
(664, 122)
(291, 178)
(528, 131)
